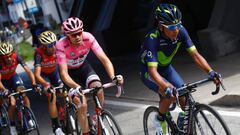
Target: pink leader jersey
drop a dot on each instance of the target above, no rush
(75, 56)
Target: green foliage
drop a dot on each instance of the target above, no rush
(25, 50)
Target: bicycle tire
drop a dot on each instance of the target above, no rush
(207, 114)
(148, 118)
(4, 129)
(71, 115)
(112, 127)
(27, 112)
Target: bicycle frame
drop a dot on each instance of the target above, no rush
(98, 108)
(20, 107)
(189, 108)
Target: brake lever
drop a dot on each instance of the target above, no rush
(218, 87)
(223, 87)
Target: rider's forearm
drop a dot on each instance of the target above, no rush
(110, 70)
(68, 80)
(30, 75)
(108, 67)
(201, 62)
(2, 87)
(39, 78)
(157, 77)
(42, 81)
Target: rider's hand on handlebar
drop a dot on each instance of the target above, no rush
(74, 91)
(37, 87)
(5, 92)
(118, 79)
(170, 93)
(216, 77)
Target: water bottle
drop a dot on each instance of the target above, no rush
(180, 120)
(31, 123)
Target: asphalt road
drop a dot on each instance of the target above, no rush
(129, 109)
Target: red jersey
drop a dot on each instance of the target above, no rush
(47, 63)
(7, 71)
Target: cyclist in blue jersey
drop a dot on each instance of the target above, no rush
(159, 47)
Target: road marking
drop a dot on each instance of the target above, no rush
(144, 106)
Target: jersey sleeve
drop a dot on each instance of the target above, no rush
(95, 47)
(60, 53)
(37, 59)
(189, 46)
(151, 52)
(21, 61)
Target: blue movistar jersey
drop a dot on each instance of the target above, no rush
(157, 50)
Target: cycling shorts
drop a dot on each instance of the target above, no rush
(168, 73)
(84, 75)
(12, 83)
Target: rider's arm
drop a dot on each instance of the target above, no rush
(98, 51)
(1, 85)
(66, 78)
(191, 49)
(158, 78)
(39, 78)
(27, 70)
(30, 74)
(106, 63)
(37, 70)
(200, 61)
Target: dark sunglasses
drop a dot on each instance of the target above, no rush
(51, 45)
(173, 26)
(76, 34)
(7, 56)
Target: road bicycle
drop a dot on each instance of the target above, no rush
(199, 119)
(26, 121)
(66, 111)
(106, 124)
(4, 120)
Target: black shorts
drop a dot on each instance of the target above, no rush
(84, 75)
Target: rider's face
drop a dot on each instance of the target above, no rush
(7, 59)
(50, 49)
(172, 34)
(171, 30)
(76, 38)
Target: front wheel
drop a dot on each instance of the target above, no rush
(72, 125)
(30, 122)
(208, 121)
(4, 121)
(110, 124)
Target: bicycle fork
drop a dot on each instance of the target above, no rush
(101, 127)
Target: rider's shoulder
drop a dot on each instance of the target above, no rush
(63, 42)
(153, 34)
(87, 36)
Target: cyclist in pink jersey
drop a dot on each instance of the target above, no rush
(75, 71)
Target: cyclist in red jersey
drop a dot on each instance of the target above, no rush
(75, 71)
(47, 74)
(10, 81)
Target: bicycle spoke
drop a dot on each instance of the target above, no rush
(109, 124)
(209, 122)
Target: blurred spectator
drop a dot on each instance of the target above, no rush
(5, 34)
(35, 30)
(23, 23)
